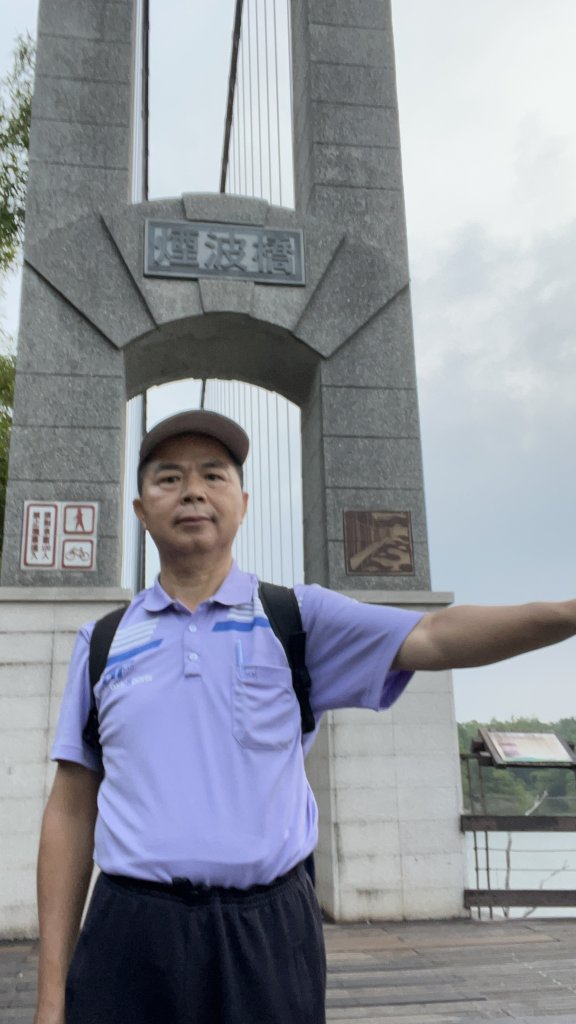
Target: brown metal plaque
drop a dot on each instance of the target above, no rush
(378, 544)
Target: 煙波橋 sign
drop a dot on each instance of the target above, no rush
(242, 252)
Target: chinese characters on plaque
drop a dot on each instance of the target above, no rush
(378, 544)
(190, 249)
(59, 535)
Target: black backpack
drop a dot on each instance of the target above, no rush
(283, 611)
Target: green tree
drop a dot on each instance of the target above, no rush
(15, 114)
(7, 373)
(515, 790)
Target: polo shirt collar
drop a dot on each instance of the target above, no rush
(237, 588)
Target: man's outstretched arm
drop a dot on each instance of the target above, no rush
(64, 870)
(467, 636)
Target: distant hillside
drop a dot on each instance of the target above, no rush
(536, 791)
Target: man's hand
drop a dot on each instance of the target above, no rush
(64, 870)
(468, 636)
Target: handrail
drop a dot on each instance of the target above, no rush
(519, 898)
(517, 823)
(491, 897)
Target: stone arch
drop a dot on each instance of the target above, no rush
(225, 345)
(100, 331)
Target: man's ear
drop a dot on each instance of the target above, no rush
(245, 500)
(139, 511)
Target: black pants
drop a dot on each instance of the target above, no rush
(151, 954)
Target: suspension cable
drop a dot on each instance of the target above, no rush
(266, 47)
(289, 434)
(248, 29)
(277, 103)
(231, 92)
(244, 132)
(259, 100)
(291, 70)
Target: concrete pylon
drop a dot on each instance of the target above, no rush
(97, 328)
(387, 786)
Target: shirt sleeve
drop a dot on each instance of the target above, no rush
(68, 743)
(350, 648)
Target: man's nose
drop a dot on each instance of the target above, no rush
(193, 488)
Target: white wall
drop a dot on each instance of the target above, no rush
(389, 793)
(388, 785)
(37, 630)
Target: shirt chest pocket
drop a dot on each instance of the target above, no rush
(265, 712)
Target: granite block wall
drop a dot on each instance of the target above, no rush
(37, 630)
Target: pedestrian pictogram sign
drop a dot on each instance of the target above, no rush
(60, 535)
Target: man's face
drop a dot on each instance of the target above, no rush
(192, 500)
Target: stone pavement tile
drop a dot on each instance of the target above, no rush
(391, 981)
(391, 1016)
(461, 1006)
(409, 1015)
(409, 973)
(565, 1018)
(360, 937)
(543, 954)
(482, 944)
(406, 957)
(478, 941)
(457, 955)
(546, 1005)
(402, 991)
(17, 982)
(566, 974)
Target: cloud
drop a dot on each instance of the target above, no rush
(543, 163)
(495, 325)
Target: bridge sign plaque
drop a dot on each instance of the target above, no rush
(378, 543)
(241, 252)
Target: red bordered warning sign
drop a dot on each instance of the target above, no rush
(40, 535)
(60, 535)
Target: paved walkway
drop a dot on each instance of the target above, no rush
(447, 972)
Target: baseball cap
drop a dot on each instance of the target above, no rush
(198, 421)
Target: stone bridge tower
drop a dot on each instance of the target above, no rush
(99, 326)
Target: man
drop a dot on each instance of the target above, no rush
(199, 810)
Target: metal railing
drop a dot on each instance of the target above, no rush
(509, 848)
(493, 865)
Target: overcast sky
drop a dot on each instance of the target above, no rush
(489, 151)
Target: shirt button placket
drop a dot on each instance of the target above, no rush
(192, 660)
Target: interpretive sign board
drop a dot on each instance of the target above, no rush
(191, 249)
(59, 535)
(543, 749)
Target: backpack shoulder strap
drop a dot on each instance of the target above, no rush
(100, 643)
(283, 610)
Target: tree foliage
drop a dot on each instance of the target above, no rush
(15, 114)
(7, 373)
(515, 790)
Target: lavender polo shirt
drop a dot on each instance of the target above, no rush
(203, 758)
